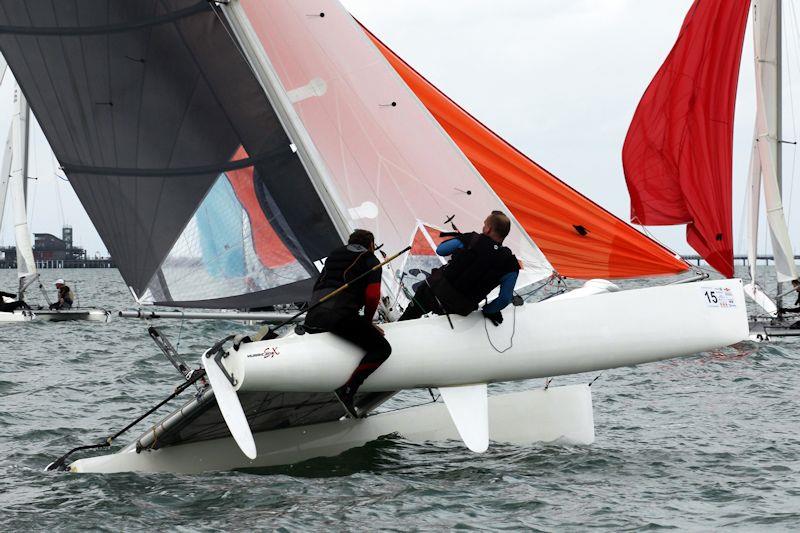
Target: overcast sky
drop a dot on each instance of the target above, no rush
(558, 79)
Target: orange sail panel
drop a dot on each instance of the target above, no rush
(579, 238)
(678, 152)
(268, 246)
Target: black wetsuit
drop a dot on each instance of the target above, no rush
(459, 286)
(339, 315)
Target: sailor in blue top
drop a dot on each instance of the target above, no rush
(478, 263)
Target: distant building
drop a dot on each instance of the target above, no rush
(51, 252)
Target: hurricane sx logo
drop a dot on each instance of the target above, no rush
(269, 351)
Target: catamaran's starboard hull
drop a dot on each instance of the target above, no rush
(550, 338)
(558, 415)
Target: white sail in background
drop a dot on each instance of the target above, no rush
(26, 266)
(765, 158)
(5, 174)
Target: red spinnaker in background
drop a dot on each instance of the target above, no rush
(579, 238)
(678, 151)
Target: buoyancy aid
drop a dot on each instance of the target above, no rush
(472, 272)
(342, 266)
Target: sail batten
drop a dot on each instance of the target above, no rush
(677, 154)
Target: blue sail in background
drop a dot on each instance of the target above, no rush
(221, 234)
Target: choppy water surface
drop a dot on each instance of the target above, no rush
(704, 442)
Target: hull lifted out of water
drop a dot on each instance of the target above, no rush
(274, 382)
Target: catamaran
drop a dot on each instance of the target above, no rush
(299, 127)
(13, 180)
(678, 152)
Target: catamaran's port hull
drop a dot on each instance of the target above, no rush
(560, 414)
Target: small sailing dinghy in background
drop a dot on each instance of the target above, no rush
(679, 148)
(288, 114)
(13, 180)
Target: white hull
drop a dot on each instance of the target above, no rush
(554, 337)
(16, 316)
(93, 315)
(559, 414)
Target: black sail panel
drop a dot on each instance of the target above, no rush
(146, 103)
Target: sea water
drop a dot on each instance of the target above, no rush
(705, 442)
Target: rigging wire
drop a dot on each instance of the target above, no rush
(644, 230)
(31, 187)
(59, 202)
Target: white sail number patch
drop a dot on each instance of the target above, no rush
(718, 297)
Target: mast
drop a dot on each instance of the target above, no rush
(779, 120)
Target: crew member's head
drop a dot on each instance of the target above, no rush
(496, 226)
(364, 238)
(59, 283)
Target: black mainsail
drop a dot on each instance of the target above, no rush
(147, 104)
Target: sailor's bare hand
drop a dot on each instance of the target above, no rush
(380, 330)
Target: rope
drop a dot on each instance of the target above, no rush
(595, 379)
(513, 331)
(59, 464)
(180, 331)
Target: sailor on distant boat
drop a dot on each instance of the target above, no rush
(65, 296)
(339, 315)
(479, 263)
(12, 304)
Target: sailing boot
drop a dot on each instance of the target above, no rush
(346, 395)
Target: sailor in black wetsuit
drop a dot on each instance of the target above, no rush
(479, 263)
(11, 306)
(339, 315)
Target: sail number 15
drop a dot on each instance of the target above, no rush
(719, 297)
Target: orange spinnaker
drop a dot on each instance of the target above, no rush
(579, 238)
(269, 247)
